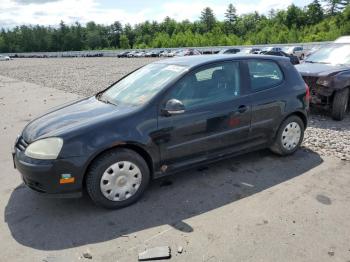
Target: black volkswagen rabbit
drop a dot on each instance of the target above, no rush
(160, 119)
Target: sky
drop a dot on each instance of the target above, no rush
(51, 12)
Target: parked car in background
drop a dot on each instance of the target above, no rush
(123, 54)
(272, 49)
(132, 53)
(4, 58)
(293, 59)
(161, 119)
(327, 72)
(188, 52)
(296, 51)
(247, 51)
(140, 54)
(148, 54)
(171, 53)
(166, 53)
(230, 51)
(343, 40)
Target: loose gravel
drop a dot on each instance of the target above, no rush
(87, 76)
(84, 76)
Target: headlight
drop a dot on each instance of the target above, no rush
(323, 81)
(47, 148)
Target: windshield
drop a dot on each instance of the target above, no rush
(140, 86)
(336, 54)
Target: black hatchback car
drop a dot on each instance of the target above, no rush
(160, 119)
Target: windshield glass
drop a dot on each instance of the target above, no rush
(335, 54)
(139, 87)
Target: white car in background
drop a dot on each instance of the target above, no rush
(297, 51)
(343, 40)
(4, 58)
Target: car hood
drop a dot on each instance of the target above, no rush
(316, 69)
(72, 116)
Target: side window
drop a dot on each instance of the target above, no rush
(264, 74)
(211, 84)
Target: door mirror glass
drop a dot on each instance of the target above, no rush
(173, 107)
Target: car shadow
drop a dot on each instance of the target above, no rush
(56, 224)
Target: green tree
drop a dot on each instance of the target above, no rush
(231, 14)
(208, 19)
(124, 42)
(294, 16)
(336, 6)
(314, 13)
(231, 18)
(116, 30)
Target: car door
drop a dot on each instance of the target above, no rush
(267, 92)
(216, 116)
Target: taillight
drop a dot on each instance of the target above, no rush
(307, 95)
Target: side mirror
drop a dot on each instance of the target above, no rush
(174, 107)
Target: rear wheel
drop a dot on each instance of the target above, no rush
(289, 136)
(340, 104)
(117, 178)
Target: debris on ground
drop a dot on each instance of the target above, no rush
(87, 255)
(155, 253)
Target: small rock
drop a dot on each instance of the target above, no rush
(155, 253)
(87, 255)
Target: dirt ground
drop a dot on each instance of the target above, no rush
(257, 207)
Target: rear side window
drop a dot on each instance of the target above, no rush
(264, 74)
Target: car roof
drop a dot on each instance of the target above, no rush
(193, 61)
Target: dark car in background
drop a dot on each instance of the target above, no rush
(327, 72)
(123, 54)
(163, 118)
(293, 59)
(230, 51)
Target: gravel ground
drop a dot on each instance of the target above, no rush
(86, 76)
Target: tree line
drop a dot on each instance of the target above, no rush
(319, 21)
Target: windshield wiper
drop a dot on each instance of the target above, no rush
(316, 62)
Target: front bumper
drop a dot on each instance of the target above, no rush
(43, 176)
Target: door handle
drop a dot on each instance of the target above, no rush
(242, 109)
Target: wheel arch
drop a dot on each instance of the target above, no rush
(299, 114)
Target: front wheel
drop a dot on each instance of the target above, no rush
(340, 104)
(117, 178)
(289, 136)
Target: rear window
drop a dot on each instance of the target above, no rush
(264, 74)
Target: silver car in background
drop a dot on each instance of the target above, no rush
(4, 58)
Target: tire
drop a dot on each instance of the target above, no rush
(280, 145)
(340, 104)
(110, 167)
